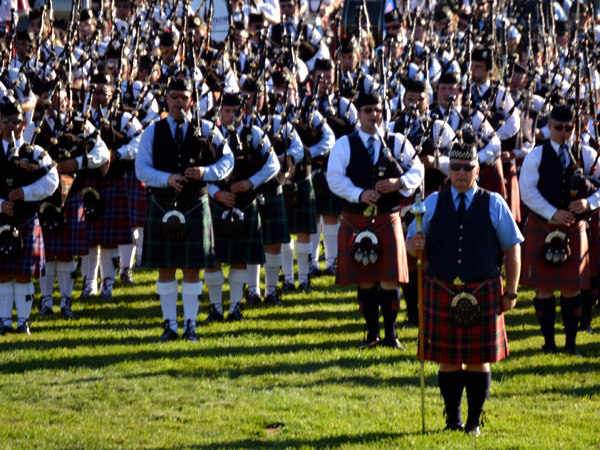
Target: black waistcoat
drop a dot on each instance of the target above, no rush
(364, 174)
(554, 182)
(168, 158)
(469, 248)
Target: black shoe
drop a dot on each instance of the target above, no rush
(106, 289)
(253, 299)
(371, 343)
(127, 277)
(45, 310)
(392, 343)
(314, 271)
(411, 323)
(67, 311)
(213, 316)
(273, 299)
(454, 427)
(330, 271)
(236, 314)
(549, 349)
(189, 331)
(288, 286)
(24, 329)
(572, 350)
(473, 431)
(168, 335)
(5, 329)
(305, 286)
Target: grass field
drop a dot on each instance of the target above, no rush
(288, 377)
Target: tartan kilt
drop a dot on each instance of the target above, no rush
(328, 204)
(137, 197)
(513, 193)
(491, 178)
(112, 226)
(448, 343)
(32, 261)
(303, 218)
(574, 274)
(72, 239)
(274, 220)
(594, 242)
(249, 249)
(196, 251)
(391, 263)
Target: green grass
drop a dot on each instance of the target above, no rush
(287, 377)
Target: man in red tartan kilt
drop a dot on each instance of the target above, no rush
(22, 185)
(464, 232)
(558, 200)
(372, 174)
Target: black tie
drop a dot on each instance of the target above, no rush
(179, 133)
(462, 207)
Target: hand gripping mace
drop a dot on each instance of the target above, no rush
(418, 210)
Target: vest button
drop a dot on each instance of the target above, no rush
(460, 238)
(459, 261)
(460, 249)
(460, 227)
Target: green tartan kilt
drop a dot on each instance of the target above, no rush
(303, 218)
(196, 251)
(274, 220)
(249, 249)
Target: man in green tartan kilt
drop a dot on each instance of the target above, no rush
(464, 232)
(176, 161)
(238, 237)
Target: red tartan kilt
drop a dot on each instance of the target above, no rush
(391, 263)
(32, 261)
(137, 198)
(448, 343)
(72, 239)
(594, 243)
(492, 179)
(112, 227)
(574, 274)
(513, 194)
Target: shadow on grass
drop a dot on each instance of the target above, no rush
(272, 441)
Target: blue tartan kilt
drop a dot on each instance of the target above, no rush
(274, 220)
(303, 218)
(448, 343)
(248, 249)
(72, 239)
(31, 261)
(196, 251)
(137, 198)
(112, 226)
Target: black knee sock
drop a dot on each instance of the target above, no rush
(478, 389)
(411, 296)
(390, 303)
(545, 310)
(571, 312)
(369, 305)
(452, 385)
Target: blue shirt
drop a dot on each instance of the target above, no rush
(507, 231)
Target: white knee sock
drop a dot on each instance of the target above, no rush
(64, 272)
(302, 252)
(7, 299)
(126, 254)
(138, 236)
(23, 301)
(253, 278)
(214, 283)
(89, 268)
(237, 278)
(190, 294)
(288, 261)
(168, 301)
(272, 266)
(315, 240)
(47, 281)
(330, 236)
(109, 266)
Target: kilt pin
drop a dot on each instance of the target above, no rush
(535, 272)
(391, 263)
(31, 261)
